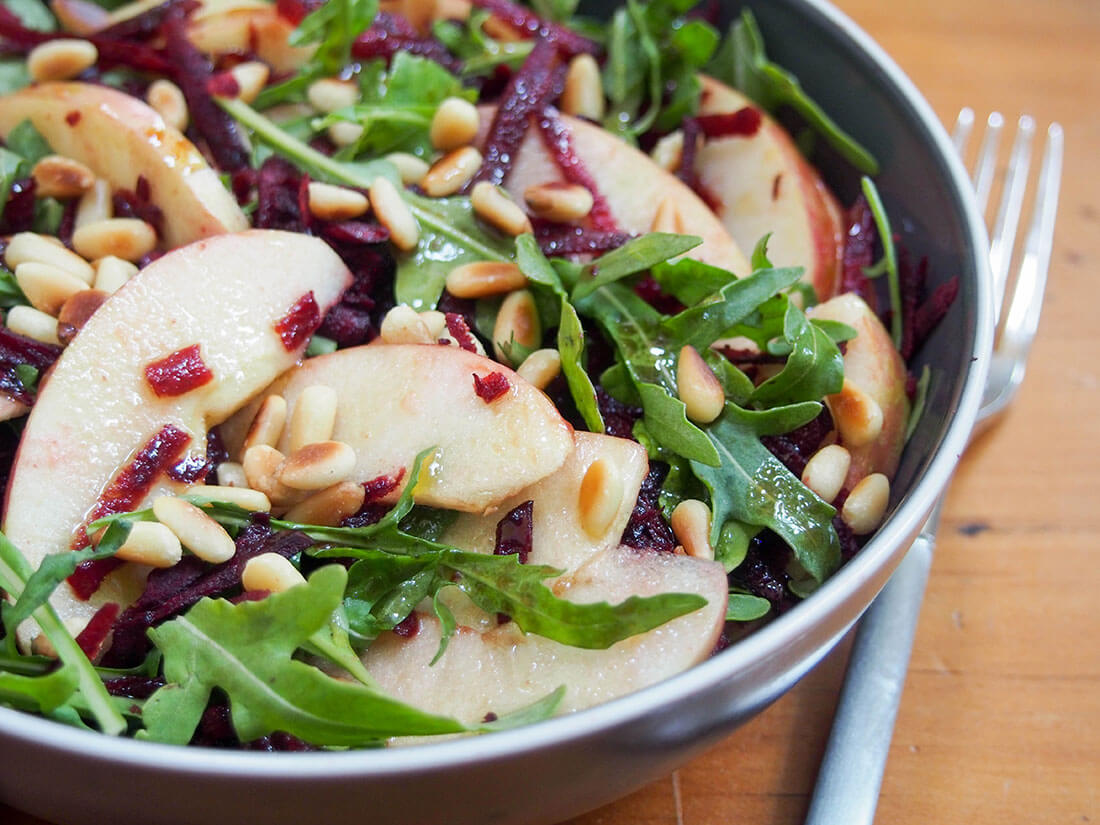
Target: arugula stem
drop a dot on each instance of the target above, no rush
(882, 222)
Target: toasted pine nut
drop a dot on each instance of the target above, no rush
(27, 246)
(344, 133)
(583, 92)
(270, 572)
(329, 94)
(33, 323)
(435, 321)
(60, 177)
(454, 124)
(231, 474)
(668, 151)
(336, 203)
(244, 497)
(314, 416)
(858, 416)
(76, 311)
(393, 213)
(251, 78)
(330, 506)
(698, 387)
(128, 238)
(151, 543)
(167, 99)
(517, 321)
(261, 465)
(195, 529)
(559, 201)
(46, 286)
(540, 367)
(500, 29)
(61, 59)
(601, 494)
(411, 168)
(403, 325)
(668, 218)
(866, 504)
(452, 10)
(451, 172)
(481, 279)
(826, 470)
(496, 207)
(318, 465)
(112, 272)
(690, 523)
(267, 424)
(94, 205)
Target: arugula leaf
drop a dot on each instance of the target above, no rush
(334, 26)
(535, 712)
(555, 10)
(571, 350)
(27, 142)
(814, 369)
(889, 256)
(247, 651)
(38, 693)
(33, 14)
(919, 402)
(690, 281)
(480, 53)
(745, 607)
(536, 267)
(632, 257)
(13, 76)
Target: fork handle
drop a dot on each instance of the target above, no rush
(848, 782)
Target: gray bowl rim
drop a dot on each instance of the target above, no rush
(882, 551)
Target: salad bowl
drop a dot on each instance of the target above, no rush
(561, 767)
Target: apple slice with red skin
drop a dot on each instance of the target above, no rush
(762, 184)
(490, 667)
(120, 138)
(873, 364)
(396, 400)
(230, 295)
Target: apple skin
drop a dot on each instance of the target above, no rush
(396, 400)
(631, 183)
(741, 173)
(121, 138)
(96, 408)
(872, 362)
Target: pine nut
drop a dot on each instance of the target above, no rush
(668, 218)
(698, 387)
(27, 246)
(484, 278)
(94, 205)
(335, 203)
(33, 323)
(690, 523)
(112, 272)
(601, 494)
(403, 325)
(496, 207)
(251, 78)
(318, 465)
(344, 133)
(270, 572)
(668, 151)
(454, 124)
(243, 497)
(328, 507)
(76, 311)
(60, 177)
(128, 238)
(559, 201)
(195, 529)
(500, 29)
(267, 425)
(151, 543)
(167, 99)
(61, 59)
(518, 322)
(261, 465)
(231, 474)
(583, 92)
(314, 416)
(540, 367)
(451, 172)
(435, 321)
(858, 416)
(411, 168)
(46, 286)
(328, 94)
(393, 213)
(452, 10)
(866, 504)
(826, 470)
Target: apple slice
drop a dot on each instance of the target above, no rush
(247, 28)
(873, 364)
(396, 400)
(233, 305)
(121, 139)
(760, 183)
(632, 184)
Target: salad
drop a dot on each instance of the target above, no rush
(373, 373)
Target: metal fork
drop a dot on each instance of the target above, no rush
(850, 776)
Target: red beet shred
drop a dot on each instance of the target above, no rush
(299, 323)
(559, 142)
(514, 532)
(491, 387)
(178, 373)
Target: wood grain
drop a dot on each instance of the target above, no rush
(1000, 721)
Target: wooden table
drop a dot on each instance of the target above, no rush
(1000, 721)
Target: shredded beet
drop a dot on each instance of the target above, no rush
(566, 40)
(390, 34)
(491, 387)
(618, 418)
(94, 635)
(408, 627)
(138, 204)
(223, 84)
(650, 291)
(514, 532)
(277, 203)
(356, 232)
(647, 528)
(134, 687)
(17, 214)
(559, 142)
(147, 24)
(374, 491)
(559, 239)
(348, 325)
(460, 330)
(686, 170)
(744, 122)
(795, 448)
(177, 373)
(299, 323)
(859, 246)
(16, 349)
(763, 572)
(932, 311)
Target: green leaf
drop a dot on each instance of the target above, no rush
(571, 350)
(33, 14)
(535, 712)
(690, 281)
(10, 293)
(814, 368)
(27, 142)
(383, 589)
(634, 256)
(744, 607)
(556, 10)
(334, 26)
(889, 254)
(733, 543)
(39, 693)
(919, 402)
(247, 651)
(447, 625)
(536, 267)
(480, 53)
(13, 76)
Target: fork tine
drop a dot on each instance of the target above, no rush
(1008, 215)
(986, 164)
(964, 123)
